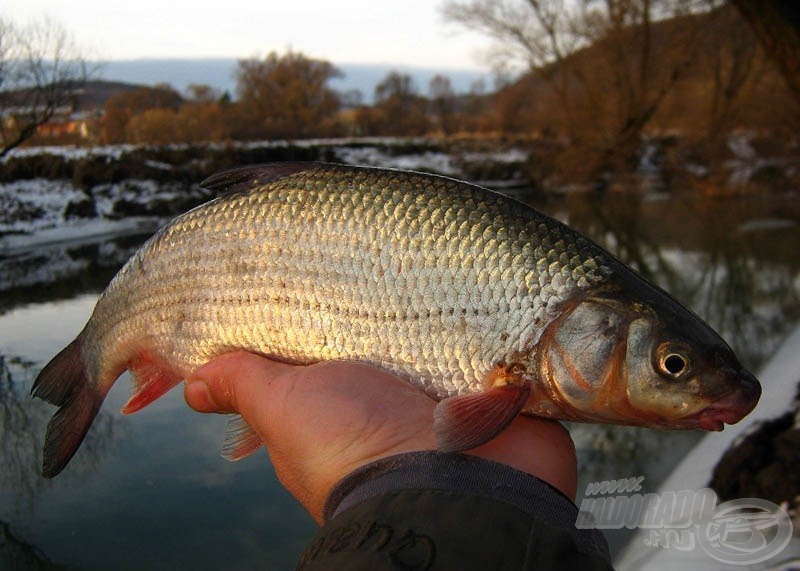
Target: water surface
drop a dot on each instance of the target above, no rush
(151, 492)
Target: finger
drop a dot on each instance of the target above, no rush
(556, 461)
(538, 446)
(231, 380)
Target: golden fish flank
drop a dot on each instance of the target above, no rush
(482, 302)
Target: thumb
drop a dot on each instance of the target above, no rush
(231, 381)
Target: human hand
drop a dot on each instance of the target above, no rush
(321, 422)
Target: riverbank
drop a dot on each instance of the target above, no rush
(62, 193)
(96, 190)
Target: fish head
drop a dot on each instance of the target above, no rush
(610, 358)
(685, 374)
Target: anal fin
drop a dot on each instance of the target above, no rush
(467, 421)
(240, 439)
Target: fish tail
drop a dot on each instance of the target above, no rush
(65, 382)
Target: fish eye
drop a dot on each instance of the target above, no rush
(671, 363)
(674, 364)
(672, 360)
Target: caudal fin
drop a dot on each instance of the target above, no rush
(64, 382)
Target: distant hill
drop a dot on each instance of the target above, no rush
(706, 74)
(219, 73)
(96, 92)
(90, 96)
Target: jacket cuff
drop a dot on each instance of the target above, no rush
(465, 474)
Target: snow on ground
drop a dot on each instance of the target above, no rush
(132, 191)
(76, 232)
(445, 163)
(38, 212)
(116, 152)
(71, 151)
(371, 156)
(31, 205)
(746, 161)
(760, 224)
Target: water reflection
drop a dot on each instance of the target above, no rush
(16, 554)
(22, 424)
(62, 271)
(145, 492)
(20, 436)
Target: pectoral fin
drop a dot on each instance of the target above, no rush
(467, 421)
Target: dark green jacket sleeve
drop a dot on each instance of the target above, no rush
(428, 510)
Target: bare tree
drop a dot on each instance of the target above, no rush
(442, 102)
(643, 66)
(286, 95)
(777, 26)
(399, 108)
(734, 64)
(41, 72)
(202, 93)
(540, 35)
(396, 85)
(606, 99)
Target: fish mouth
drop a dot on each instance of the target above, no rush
(731, 408)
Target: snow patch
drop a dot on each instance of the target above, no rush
(760, 224)
(372, 156)
(74, 233)
(37, 204)
(35, 212)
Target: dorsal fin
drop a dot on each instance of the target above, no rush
(243, 178)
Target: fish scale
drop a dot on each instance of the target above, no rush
(459, 290)
(300, 247)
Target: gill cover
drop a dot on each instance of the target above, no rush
(581, 359)
(610, 359)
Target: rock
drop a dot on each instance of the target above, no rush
(123, 208)
(83, 207)
(765, 464)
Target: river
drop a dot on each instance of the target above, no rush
(150, 491)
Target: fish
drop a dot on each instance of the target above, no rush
(490, 307)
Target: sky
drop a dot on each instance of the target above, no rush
(408, 32)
